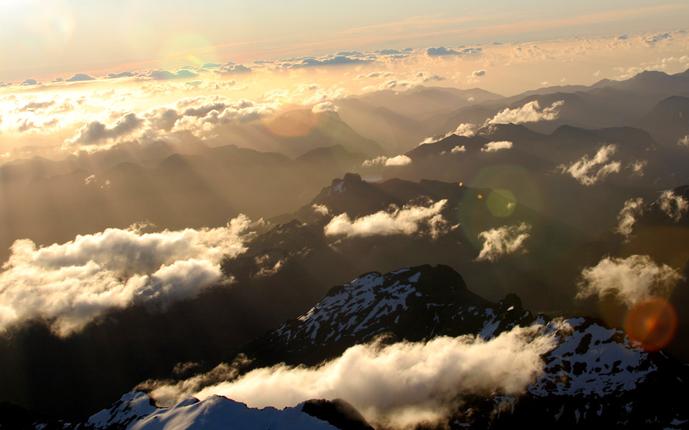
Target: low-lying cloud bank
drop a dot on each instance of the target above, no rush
(589, 171)
(630, 279)
(407, 220)
(398, 385)
(71, 284)
(501, 241)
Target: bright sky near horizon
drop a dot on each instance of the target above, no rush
(48, 38)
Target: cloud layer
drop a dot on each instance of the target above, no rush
(71, 284)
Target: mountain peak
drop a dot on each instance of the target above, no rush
(136, 410)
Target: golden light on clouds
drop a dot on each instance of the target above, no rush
(190, 65)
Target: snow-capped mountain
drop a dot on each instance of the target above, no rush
(136, 411)
(594, 375)
(410, 304)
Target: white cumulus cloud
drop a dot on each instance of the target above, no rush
(588, 171)
(504, 240)
(496, 146)
(529, 112)
(71, 284)
(630, 279)
(407, 220)
(320, 209)
(396, 161)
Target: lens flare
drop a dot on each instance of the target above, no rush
(652, 323)
(501, 203)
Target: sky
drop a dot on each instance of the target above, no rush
(46, 38)
(75, 72)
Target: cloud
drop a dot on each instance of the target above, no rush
(25, 124)
(399, 385)
(399, 160)
(202, 117)
(29, 82)
(394, 53)
(478, 73)
(496, 146)
(396, 161)
(341, 59)
(396, 84)
(89, 179)
(164, 75)
(96, 132)
(71, 284)
(117, 75)
(442, 51)
(326, 106)
(375, 75)
(199, 116)
(654, 39)
(632, 209)
(408, 220)
(458, 149)
(684, 141)
(673, 205)
(92, 180)
(80, 77)
(588, 171)
(424, 77)
(529, 112)
(36, 106)
(320, 209)
(464, 129)
(630, 279)
(638, 167)
(234, 69)
(501, 241)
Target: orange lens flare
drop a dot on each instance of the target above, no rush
(652, 323)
